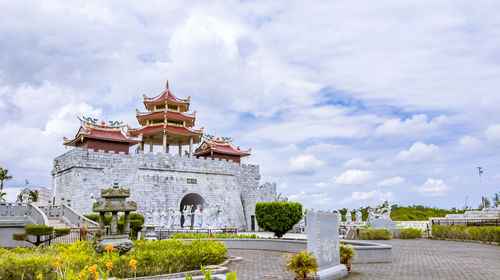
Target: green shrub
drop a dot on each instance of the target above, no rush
(410, 233)
(278, 217)
(346, 254)
(485, 234)
(153, 258)
(375, 234)
(38, 230)
(302, 264)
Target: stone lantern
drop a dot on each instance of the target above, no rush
(114, 202)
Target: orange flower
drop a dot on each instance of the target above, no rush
(56, 262)
(82, 275)
(93, 268)
(39, 276)
(109, 248)
(133, 263)
(109, 265)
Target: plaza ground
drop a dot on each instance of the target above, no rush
(412, 259)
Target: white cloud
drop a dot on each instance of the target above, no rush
(356, 163)
(432, 187)
(492, 134)
(305, 164)
(373, 196)
(470, 144)
(354, 177)
(390, 182)
(417, 125)
(418, 152)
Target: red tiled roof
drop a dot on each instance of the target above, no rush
(166, 95)
(157, 128)
(108, 134)
(223, 149)
(175, 115)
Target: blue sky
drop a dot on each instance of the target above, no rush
(344, 104)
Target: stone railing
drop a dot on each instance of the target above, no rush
(23, 211)
(68, 215)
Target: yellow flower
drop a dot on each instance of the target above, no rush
(109, 265)
(133, 263)
(39, 276)
(96, 276)
(109, 248)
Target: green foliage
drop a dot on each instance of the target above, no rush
(37, 230)
(95, 218)
(19, 236)
(278, 217)
(418, 213)
(346, 254)
(136, 222)
(485, 234)
(3, 177)
(153, 258)
(410, 233)
(178, 235)
(61, 232)
(302, 264)
(375, 234)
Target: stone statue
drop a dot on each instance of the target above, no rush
(187, 215)
(163, 220)
(380, 218)
(359, 218)
(156, 217)
(348, 217)
(176, 219)
(198, 217)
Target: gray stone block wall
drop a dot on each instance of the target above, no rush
(160, 181)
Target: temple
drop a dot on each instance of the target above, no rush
(220, 148)
(167, 122)
(97, 136)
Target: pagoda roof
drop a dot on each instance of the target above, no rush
(170, 114)
(113, 133)
(221, 147)
(152, 129)
(166, 95)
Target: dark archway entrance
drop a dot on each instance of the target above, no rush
(194, 200)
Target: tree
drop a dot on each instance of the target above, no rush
(496, 199)
(1, 197)
(485, 203)
(278, 217)
(38, 231)
(33, 196)
(3, 177)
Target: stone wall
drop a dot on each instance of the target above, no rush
(160, 181)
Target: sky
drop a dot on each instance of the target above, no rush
(344, 103)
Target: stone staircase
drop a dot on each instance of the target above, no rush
(58, 223)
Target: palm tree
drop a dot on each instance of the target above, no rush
(496, 199)
(3, 176)
(33, 196)
(2, 194)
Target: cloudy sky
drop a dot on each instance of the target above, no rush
(344, 103)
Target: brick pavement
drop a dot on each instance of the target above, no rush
(412, 259)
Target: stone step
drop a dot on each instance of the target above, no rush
(58, 224)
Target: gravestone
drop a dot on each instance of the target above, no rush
(323, 242)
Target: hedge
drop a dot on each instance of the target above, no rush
(410, 233)
(375, 234)
(153, 258)
(278, 217)
(485, 234)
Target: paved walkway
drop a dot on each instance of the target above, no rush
(412, 259)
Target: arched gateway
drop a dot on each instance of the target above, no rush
(193, 200)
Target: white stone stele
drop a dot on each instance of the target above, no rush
(323, 242)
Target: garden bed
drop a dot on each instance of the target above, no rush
(152, 258)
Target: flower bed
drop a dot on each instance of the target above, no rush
(375, 234)
(148, 258)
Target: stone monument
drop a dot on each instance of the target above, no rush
(115, 201)
(359, 218)
(323, 242)
(380, 218)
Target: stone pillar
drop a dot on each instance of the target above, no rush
(101, 220)
(126, 224)
(191, 146)
(180, 149)
(141, 146)
(151, 144)
(164, 141)
(114, 222)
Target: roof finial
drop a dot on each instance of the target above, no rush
(167, 84)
